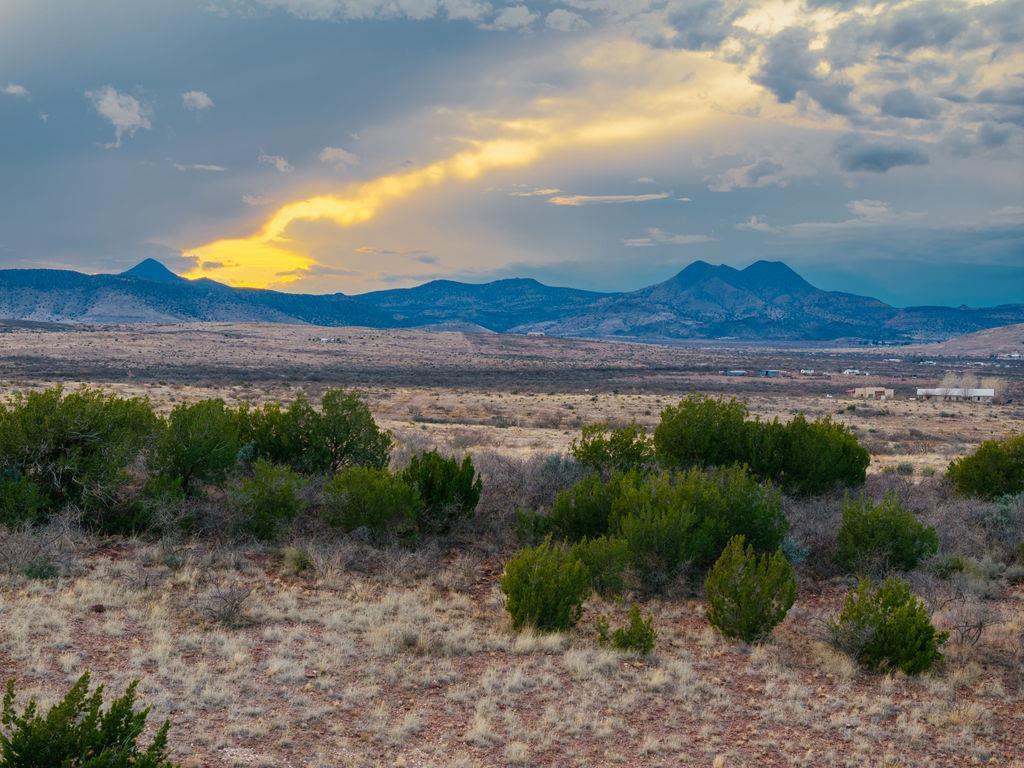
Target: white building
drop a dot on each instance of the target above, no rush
(956, 393)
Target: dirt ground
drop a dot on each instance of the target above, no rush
(398, 657)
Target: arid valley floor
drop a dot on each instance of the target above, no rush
(405, 657)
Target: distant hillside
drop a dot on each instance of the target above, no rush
(992, 341)
(765, 301)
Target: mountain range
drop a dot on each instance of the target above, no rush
(765, 301)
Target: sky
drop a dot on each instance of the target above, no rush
(318, 146)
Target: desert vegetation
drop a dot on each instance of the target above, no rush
(308, 544)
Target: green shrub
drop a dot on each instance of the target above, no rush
(656, 521)
(820, 455)
(728, 502)
(373, 498)
(40, 569)
(297, 561)
(21, 501)
(583, 510)
(449, 490)
(885, 627)
(290, 436)
(801, 456)
(532, 527)
(749, 594)
(608, 451)
(545, 587)
(78, 733)
(351, 436)
(606, 559)
(199, 444)
(637, 636)
(875, 538)
(702, 431)
(995, 469)
(75, 447)
(268, 499)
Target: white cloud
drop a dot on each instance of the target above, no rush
(657, 236)
(565, 21)
(646, 180)
(761, 173)
(538, 192)
(471, 10)
(200, 167)
(337, 157)
(13, 89)
(574, 200)
(280, 164)
(255, 200)
(867, 214)
(513, 17)
(197, 101)
(126, 113)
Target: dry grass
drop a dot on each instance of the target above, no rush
(396, 657)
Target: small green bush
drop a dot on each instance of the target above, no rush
(21, 501)
(874, 538)
(995, 469)
(267, 500)
(637, 636)
(885, 627)
(448, 489)
(749, 594)
(702, 431)
(608, 451)
(75, 447)
(545, 587)
(290, 436)
(40, 569)
(606, 559)
(373, 498)
(199, 444)
(297, 561)
(77, 733)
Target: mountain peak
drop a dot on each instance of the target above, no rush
(153, 271)
(774, 271)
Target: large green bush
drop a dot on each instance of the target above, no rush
(545, 587)
(78, 733)
(268, 499)
(75, 447)
(360, 497)
(801, 456)
(728, 502)
(749, 594)
(342, 433)
(820, 455)
(198, 445)
(702, 431)
(607, 451)
(606, 559)
(290, 436)
(875, 538)
(583, 510)
(995, 469)
(351, 436)
(449, 490)
(885, 627)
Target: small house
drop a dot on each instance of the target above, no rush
(974, 395)
(872, 393)
(770, 373)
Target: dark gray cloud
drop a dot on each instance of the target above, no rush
(703, 26)
(903, 102)
(790, 67)
(856, 153)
